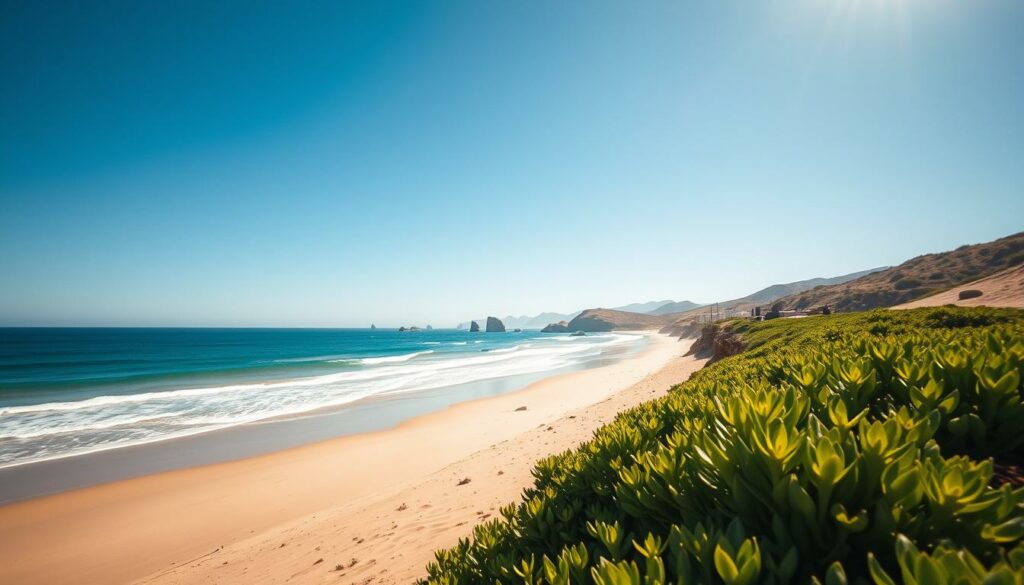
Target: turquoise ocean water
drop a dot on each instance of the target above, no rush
(65, 392)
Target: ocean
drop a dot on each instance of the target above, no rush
(71, 391)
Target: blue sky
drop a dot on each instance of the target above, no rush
(340, 163)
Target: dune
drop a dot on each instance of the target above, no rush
(1002, 289)
(915, 279)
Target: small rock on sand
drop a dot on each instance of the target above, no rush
(520, 409)
(464, 481)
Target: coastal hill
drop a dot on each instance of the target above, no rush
(683, 323)
(867, 289)
(680, 320)
(777, 291)
(560, 327)
(593, 320)
(916, 278)
(1002, 289)
(662, 307)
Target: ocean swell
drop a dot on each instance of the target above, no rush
(56, 429)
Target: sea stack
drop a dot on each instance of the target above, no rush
(372, 326)
(560, 327)
(474, 327)
(494, 325)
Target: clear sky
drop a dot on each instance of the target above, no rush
(341, 163)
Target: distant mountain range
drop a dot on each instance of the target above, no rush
(648, 307)
(777, 291)
(669, 307)
(678, 316)
(770, 294)
(673, 307)
(543, 319)
(878, 287)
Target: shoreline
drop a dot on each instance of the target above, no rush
(164, 525)
(29, 480)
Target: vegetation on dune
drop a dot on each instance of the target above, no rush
(847, 448)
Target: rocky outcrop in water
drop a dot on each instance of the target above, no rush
(560, 327)
(474, 327)
(494, 325)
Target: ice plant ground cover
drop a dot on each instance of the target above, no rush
(852, 448)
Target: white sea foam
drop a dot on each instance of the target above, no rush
(34, 432)
(394, 359)
(13, 432)
(321, 358)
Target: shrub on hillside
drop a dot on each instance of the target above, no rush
(907, 283)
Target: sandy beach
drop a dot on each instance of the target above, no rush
(367, 508)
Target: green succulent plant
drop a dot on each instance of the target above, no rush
(842, 449)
